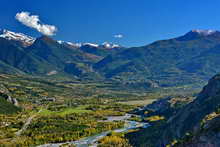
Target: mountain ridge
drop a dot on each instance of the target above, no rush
(183, 60)
(161, 59)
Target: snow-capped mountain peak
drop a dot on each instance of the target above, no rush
(24, 39)
(105, 45)
(77, 45)
(110, 45)
(198, 33)
(204, 32)
(90, 44)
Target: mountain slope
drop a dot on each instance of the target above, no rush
(184, 60)
(101, 50)
(193, 123)
(165, 61)
(207, 135)
(21, 54)
(206, 103)
(60, 56)
(16, 58)
(18, 38)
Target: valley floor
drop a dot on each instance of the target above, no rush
(55, 111)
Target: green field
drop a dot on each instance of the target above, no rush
(66, 111)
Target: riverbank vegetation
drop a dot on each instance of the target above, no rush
(114, 140)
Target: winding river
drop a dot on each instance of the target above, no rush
(91, 141)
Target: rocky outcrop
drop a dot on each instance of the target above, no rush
(207, 136)
(9, 99)
(188, 119)
(12, 100)
(4, 94)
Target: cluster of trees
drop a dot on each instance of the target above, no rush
(9, 124)
(59, 128)
(154, 118)
(54, 129)
(114, 140)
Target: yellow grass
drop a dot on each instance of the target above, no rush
(139, 102)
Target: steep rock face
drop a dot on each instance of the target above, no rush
(9, 99)
(12, 100)
(207, 136)
(4, 94)
(189, 118)
(8, 105)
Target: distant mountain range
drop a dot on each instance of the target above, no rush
(44, 56)
(190, 58)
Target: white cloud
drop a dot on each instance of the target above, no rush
(33, 21)
(118, 36)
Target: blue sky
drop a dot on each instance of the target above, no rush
(139, 21)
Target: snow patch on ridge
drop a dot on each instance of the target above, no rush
(110, 45)
(91, 44)
(70, 43)
(26, 40)
(103, 45)
(204, 32)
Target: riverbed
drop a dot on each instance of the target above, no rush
(91, 141)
